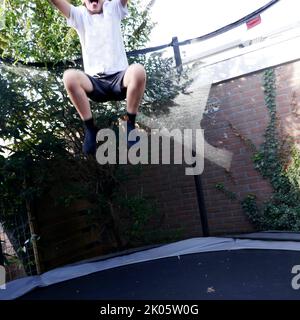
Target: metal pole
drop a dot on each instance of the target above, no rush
(177, 55)
(201, 206)
(201, 201)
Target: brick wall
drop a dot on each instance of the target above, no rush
(235, 119)
(240, 117)
(175, 197)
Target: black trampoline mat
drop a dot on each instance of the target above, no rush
(237, 274)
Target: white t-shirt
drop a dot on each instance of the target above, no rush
(100, 36)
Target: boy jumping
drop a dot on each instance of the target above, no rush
(107, 75)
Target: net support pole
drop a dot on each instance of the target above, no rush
(177, 55)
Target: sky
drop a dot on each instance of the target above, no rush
(192, 18)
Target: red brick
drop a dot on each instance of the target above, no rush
(241, 104)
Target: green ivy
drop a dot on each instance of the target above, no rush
(229, 194)
(280, 164)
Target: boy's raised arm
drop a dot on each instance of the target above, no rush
(124, 2)
(63, 6)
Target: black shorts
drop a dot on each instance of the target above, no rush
(107, 87)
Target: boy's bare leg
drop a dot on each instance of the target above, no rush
(135, 82)
(77, 84)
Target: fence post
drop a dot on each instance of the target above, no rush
(177, 55)
(1, 254)
(2, 269)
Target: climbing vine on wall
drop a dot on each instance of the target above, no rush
(279, 163)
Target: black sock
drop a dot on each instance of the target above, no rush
(131, 117)
(89, 124)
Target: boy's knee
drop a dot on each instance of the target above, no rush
(139, 74)
(70, 79)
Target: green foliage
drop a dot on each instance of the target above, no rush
(250, 206)
(280, 164)
(40, 131)
(139, 210)
(136, 28)
(229, 194)
(163, 83)
(34, 31)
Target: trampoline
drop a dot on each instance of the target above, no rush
(247, 267)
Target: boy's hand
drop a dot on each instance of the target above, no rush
(124, 2)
